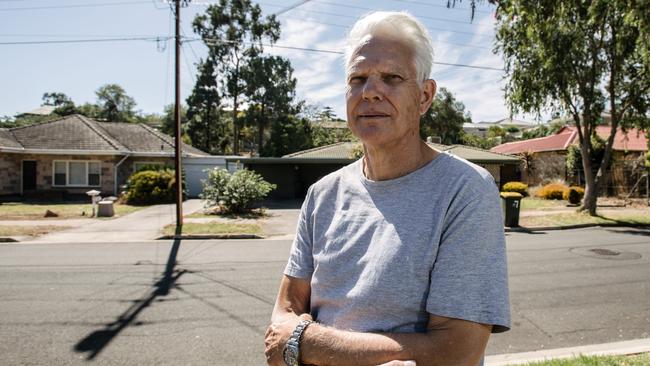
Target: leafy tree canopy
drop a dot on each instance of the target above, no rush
(444, 118)
(583, 57)
(114, 104)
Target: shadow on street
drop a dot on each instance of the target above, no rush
(96, 341)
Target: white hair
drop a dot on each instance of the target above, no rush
(399, 26)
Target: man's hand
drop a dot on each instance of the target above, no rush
(277, 335)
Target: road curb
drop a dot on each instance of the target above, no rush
(521, 229)
(211, 236)
(631, 347)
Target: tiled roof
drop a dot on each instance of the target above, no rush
(633, 140)
(77, 132)
(7, 139)
(343, 150)
(70, 133)
(340, 150)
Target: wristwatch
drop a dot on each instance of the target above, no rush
(291, 352)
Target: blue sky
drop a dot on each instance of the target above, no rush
(144, 68)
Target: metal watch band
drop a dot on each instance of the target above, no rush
(291, 352)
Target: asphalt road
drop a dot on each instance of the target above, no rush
(118, 304)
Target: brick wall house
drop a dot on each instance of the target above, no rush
(74, 154)
(545, 157)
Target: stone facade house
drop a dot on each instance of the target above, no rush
(69, 156)
(544, 158)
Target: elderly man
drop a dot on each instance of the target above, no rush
(399, 258)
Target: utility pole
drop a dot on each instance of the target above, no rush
(177, 120)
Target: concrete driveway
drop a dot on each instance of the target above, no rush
(145, 224)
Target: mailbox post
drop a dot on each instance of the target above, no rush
(94, 197)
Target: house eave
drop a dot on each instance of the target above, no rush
(90, 152)
(288, 161)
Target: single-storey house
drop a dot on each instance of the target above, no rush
(545, 157)
(74, 154)
(294, 173)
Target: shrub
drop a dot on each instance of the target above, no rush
(234, 193)
(519, 187)
(150, 187)
(552, 191)
(573, 195)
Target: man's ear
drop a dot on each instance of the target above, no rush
(429, 88)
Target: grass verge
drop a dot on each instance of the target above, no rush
(212, 228)
(65, 210)
(252, 215)
(635, 360)
(533, 203)
(6, 230)
(576, 218)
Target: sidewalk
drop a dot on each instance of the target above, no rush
(145, 224)
(608, 349)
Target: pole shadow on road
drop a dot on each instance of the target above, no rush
(96, 341)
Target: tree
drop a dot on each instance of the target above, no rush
(288, 135)
(169, 121)
(583, 57)
(206, 125)
(270, 87)
(444, 118)
(64, 105)
(114, 104)
(233, 31)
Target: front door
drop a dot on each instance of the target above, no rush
(29, 175)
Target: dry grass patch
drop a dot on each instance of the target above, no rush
(214, 228)
(36, 211)
(534, 203)
(8, 230)
(578, 218)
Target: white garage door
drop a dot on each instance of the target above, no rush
(195, 171)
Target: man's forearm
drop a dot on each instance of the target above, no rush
(445, 345)
(322, 345)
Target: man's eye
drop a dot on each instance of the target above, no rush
(356, 80)
(393, 78)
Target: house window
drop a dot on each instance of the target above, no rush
(60, 173)
(77, 173)
(141, 164)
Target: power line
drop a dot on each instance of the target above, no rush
(439, 6)
(340, 53)
(150, 39)
(356, 17)
(373, 9)
(77, 6)
(292, 7)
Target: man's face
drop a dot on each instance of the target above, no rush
(384, 98)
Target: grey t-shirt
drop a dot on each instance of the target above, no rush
(383, 255)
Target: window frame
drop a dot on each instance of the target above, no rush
(67, 173)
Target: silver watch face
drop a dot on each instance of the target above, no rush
(290, 355)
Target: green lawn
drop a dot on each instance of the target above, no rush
(637, 360)
(564, 219)
(533, 203)
(6, 230)
(36, 211)
(211, 228)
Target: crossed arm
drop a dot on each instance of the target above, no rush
(447, 341)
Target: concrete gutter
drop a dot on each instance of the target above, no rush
(632, 347)
(521, 229)
(210, 236)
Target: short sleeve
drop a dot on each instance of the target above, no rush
(301, 261)
(469, 279)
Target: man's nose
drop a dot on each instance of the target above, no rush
(373, 90)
